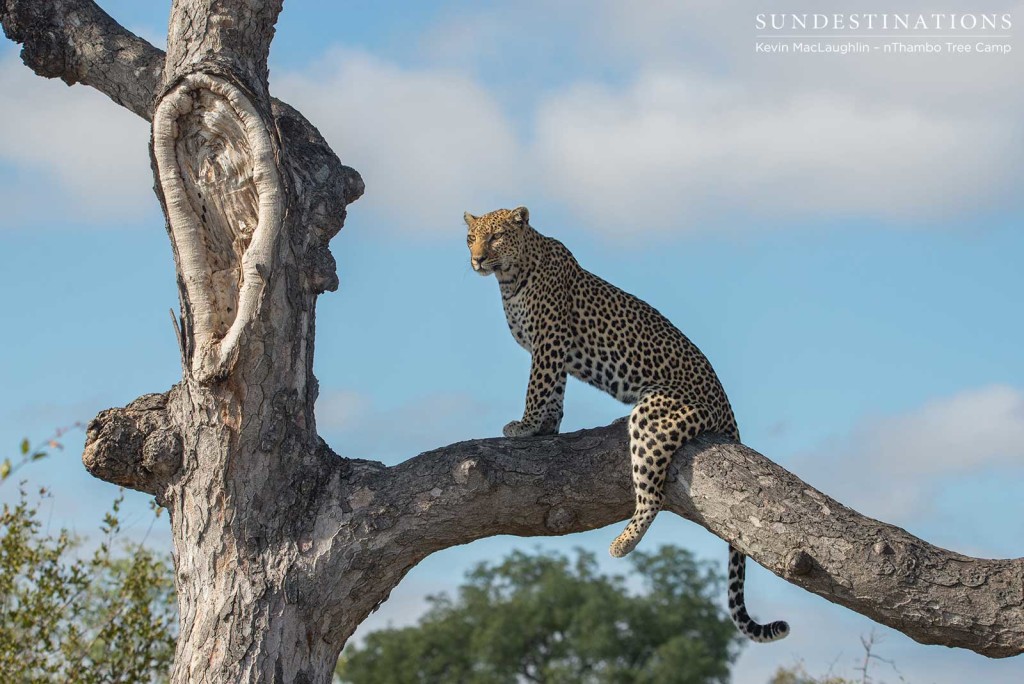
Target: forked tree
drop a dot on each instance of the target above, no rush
(283, 547)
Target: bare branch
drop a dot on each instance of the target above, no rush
(135, 447)
(579, 481)
(77, 42)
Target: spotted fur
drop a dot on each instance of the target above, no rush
(574, 323)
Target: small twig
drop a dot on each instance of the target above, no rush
(869, 656)
(865, 665)
(31, 453)
(177, 334)
(832, 666)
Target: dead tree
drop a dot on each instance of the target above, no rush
(282, 547)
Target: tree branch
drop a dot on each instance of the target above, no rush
(580, 481)
(135, 447)
(77, 42)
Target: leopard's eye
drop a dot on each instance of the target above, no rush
(469, 239)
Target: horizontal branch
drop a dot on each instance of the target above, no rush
(580, 481)
(135, 447)
(77, 42)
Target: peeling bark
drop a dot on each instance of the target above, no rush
(224, 197)
(281, 546)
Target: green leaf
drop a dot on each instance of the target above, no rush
(5, 469)
(38, 455)
(25, 446)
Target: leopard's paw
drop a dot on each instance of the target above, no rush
(518, 428)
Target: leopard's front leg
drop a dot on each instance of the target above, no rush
(544, 396)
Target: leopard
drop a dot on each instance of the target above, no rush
(573, 323)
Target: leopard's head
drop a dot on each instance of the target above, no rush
(496, 239)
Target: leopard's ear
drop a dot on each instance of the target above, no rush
(469, 218)
(520, 216)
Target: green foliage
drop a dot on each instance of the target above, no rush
(546, 618)
(67, 616)
(797, 674)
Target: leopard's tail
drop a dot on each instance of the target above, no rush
(773, 631)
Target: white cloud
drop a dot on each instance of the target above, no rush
(429, 143)
(890, 467)
(671, 149)
(674, 119)
(661, 153)
(706, 127)
(654, 116)
(958, 434)
(77, 153)
(714, 38)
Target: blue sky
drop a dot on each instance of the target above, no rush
(841, 236)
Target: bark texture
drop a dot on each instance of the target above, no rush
(77, 42)
(283, 547)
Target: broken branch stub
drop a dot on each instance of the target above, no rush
(217, 169)
(136, 447)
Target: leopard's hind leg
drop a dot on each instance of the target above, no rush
(659, 425)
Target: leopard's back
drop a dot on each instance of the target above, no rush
(618, 343)
(633, 348)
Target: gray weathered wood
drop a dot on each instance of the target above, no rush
(77, 42)
(283, 547)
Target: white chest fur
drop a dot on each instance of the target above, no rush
(516, 313)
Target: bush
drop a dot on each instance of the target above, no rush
(64, 617)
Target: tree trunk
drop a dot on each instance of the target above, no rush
(282, 547)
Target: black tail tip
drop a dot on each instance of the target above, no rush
(776, 630)
(764, 634)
